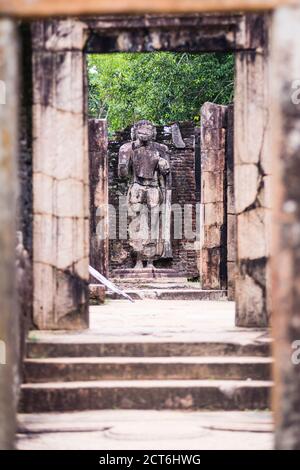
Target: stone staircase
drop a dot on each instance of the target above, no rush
(87, 375)
(159, 289)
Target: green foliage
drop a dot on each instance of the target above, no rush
(162, 86)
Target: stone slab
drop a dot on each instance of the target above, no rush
(146, 394)
(172, 294)
(148, 273)
(148, 321)
(143, 368)
(139, 429)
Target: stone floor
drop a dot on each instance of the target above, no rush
(160, 320)
(152, 430)
(152, 321)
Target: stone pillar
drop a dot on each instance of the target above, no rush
(9, 339)
(99, 240)
(231, 217)
(60, 176)
(285, 114)
(213, 200)
(252, 184)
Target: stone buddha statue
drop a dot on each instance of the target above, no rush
(147, 164)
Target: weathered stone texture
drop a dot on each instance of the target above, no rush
(99, 242)
(213, 197)
(25, 196)
(8, 193)
(24, 297)
(97, 294)
(188, 32)
(252, 180)
(285, 115)
(230, 206)
(60, 178)
(25, 219)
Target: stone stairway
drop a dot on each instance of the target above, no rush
(157, 289)
(81, 374)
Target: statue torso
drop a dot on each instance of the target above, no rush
(144, 161)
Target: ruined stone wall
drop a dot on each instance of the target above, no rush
(98, 177)
(213, 240)
(184, 191)
(230, 206)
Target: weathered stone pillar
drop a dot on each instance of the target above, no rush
(252, 170)
(8, 191)
(213, 200)
(231, 217)
(60, 176)
(285, 114)
(98, 143)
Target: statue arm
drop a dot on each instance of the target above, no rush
(164, 171)
(165, 175)
(124, 164)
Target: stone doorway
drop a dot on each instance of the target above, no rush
(201, 159)
(60, 104)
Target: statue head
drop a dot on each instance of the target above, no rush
(144, 131)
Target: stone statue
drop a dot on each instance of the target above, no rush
(147, 164)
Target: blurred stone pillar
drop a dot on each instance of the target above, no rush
(9, 338)
(252, 170)
(213, 238)
(60, 176)
(99, 240)
(285, 114)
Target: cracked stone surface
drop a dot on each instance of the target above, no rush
(252, 185)
(60, 178)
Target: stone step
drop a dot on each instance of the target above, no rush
(169, 294)
(68, 346)
(133, 368)
(172, 283)
(145, 394)
(150, 273)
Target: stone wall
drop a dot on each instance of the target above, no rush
(213, 240)
(184, 191)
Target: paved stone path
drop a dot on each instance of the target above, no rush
(156, 430)
(157, 321)
(165, 320)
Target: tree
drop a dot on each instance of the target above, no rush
(163, 87)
